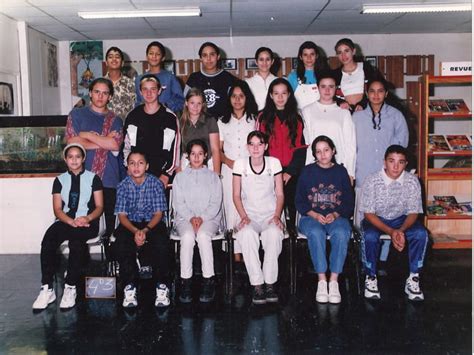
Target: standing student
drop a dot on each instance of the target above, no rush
(351, 77)
(325, 117)
(171, 92)
(258, 198)
(262, 79)
(123, 100)
(325, 200)
(197, 204)
(154, 130)
(99, 130)
(377, 127)
(197, 124)
(141, 202)
(77, 205)
(282, 123)
(211, 80)
(234, 127)
(305, 79)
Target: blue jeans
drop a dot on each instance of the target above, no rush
(416, 236)
(340, 232)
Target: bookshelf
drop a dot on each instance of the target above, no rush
(445, 171)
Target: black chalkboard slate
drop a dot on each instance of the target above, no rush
(101, 287)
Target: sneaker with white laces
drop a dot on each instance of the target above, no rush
(334, 294)
(69, 297)
(371, 288)
(162, 296)
(130, 296)
(322, 295)
(45, 297)
(412, 288)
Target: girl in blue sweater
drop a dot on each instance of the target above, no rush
(325, 200)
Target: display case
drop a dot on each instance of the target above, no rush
(32, 145)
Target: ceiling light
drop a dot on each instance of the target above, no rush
(187, 11)
(409, 8)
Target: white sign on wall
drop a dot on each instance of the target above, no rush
(455, 68)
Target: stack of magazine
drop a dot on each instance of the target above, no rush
(448, 205)
(442, 143)
(449, 106)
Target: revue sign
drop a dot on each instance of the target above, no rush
(455, 68)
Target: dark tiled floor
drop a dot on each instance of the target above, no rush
(441, 324)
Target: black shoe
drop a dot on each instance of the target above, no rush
(259, 295)
(270, 293)
(208, 290)
(185, 295)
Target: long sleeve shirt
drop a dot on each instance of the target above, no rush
(197, 193)
(157, 135)
(280, 147)
(372, 143)
(336, 123)
(324, 191)
(171, 91)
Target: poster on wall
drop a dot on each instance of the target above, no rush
(8, 94)
(51, 70)
(86, 65)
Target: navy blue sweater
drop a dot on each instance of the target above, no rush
(324, 191)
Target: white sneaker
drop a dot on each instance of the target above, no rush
(162, 296)
(371, 288)
(130, 296)
(334, 294)
(69, 297)
(412, 288)
(45, 297)
(322, 295)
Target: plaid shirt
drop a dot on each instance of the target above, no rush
(140, 202)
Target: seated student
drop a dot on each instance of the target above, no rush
(391, 202)
(197, 201)
(258, 198)
(212, 81)
(325, 200)
(171, 94)
(140, 205)
(77, 204)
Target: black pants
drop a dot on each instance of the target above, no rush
(56, 234)
(155, 252)
(110, 196)
(290, 191)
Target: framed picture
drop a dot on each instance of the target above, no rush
(250, 64)
(229, 64)
(372, 60)
(9, 94)
(170, 65)
(294, 63)
(133, 69)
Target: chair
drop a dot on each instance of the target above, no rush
(353, 254)
(220, 235)
(287, 235)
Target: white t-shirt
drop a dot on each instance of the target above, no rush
(258, 187)
(353, 83)
(259, 87)
(336, 123)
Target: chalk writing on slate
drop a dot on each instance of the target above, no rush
(100, 287)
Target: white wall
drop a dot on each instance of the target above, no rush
(45, 100)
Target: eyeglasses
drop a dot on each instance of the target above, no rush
(98, 92)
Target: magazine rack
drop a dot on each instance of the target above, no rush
(446, 172)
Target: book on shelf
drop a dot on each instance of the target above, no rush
(458, 142)
(459, 162)
(448, 106)
(437, 143)
(446, 205)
